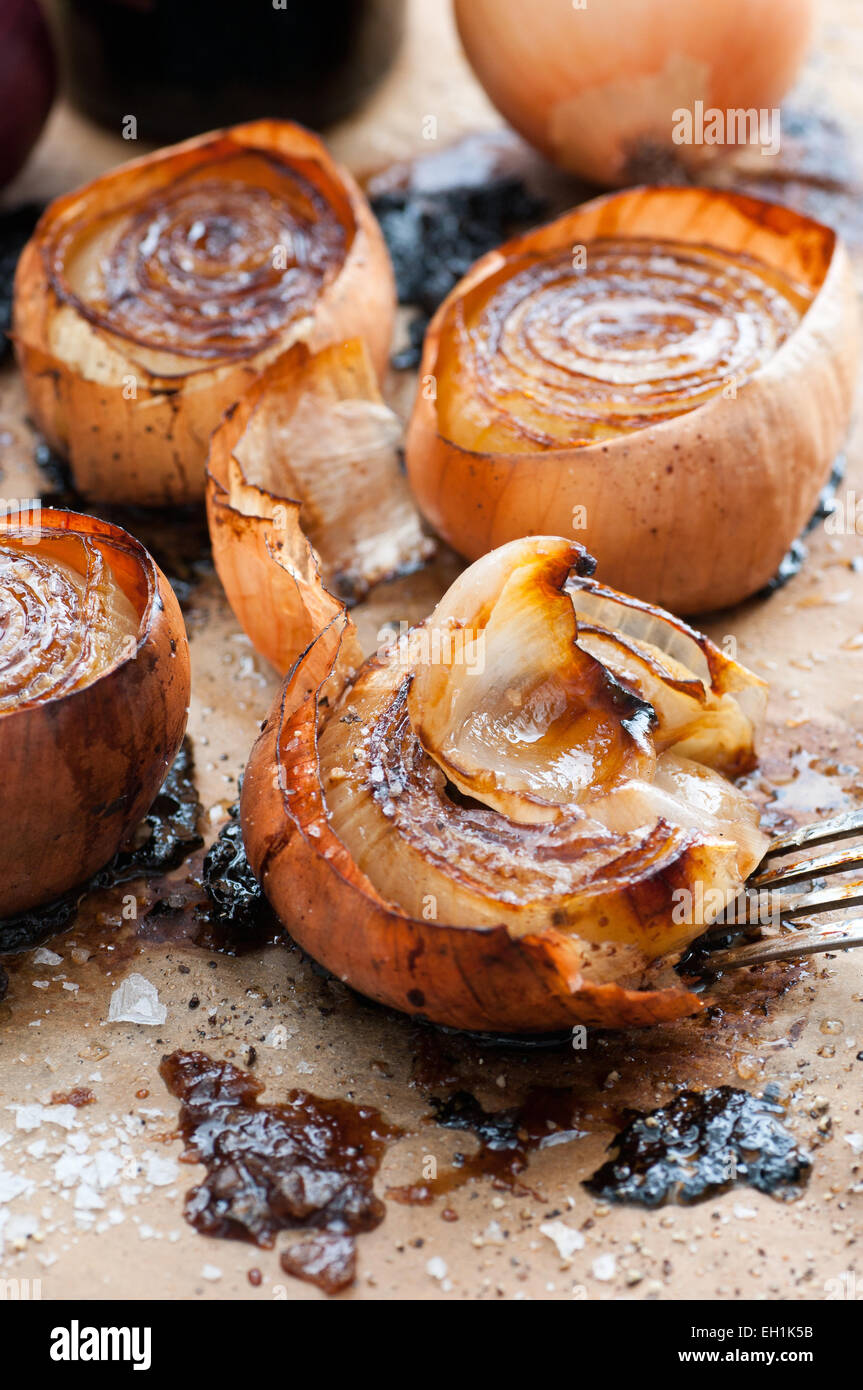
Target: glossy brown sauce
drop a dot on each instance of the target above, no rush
(301, 1164)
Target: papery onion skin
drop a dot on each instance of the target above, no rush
(302, 535)
(697, 511)
(595, 86)
(131, 396)
(81, 770)
(465, 977)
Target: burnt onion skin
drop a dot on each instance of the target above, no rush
(694, 505)
(516, 977)
(149, 300)
(81, 769)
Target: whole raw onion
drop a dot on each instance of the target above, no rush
(595, 85)
(27, 82)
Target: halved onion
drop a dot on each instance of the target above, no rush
(94, 692)
(493, 826)
(306, 471)
(664, 374)
(147, 301)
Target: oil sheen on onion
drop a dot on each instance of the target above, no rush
(621, 334)
(213, 266)
(64, 621)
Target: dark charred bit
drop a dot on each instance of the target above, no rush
(236, 899)
(4, 984)
(435, 236)
(330, 1261)
(169, 831)
(304, 1163)
(27, 930)
(701, 1144)
(165, 837)
(16, 228)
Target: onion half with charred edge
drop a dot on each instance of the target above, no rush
(147, 301)
(306, 468)
(94, 693)
(665, 373)
(490, 823)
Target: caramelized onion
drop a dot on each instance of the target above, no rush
(306, 471)
(665, 374)
(94, 690)
(491, 825)
(147, 301)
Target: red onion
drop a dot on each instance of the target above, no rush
(28, 82)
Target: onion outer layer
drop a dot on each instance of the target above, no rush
(80, 771)
(134, 422)
(307, 503)
(697, 512)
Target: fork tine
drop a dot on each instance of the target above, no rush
(841, 937)
(824, 899)
(821, 865)
(839, 827)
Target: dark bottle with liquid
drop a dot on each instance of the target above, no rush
(180, 67)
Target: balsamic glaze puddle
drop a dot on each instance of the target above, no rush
(165, 837)
(699, 1145)
(549, 1115)
(305, 1163)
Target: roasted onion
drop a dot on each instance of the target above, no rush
(94, 692)
(148, 301)
(306, 470)
(597, 85)
(517, 816)
(665, 374)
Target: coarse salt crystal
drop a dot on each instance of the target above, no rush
(136, 1000)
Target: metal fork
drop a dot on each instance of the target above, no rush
(799, 935)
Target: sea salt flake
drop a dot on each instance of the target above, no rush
(855, 1140)
(161, 1172)
(87, 1199)
(12, 1185)
(436, 1267)
(136, 1000)
(45, 957)
(603, 1268)
(28, 1117)
(563, 1237)
(63, 1115)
